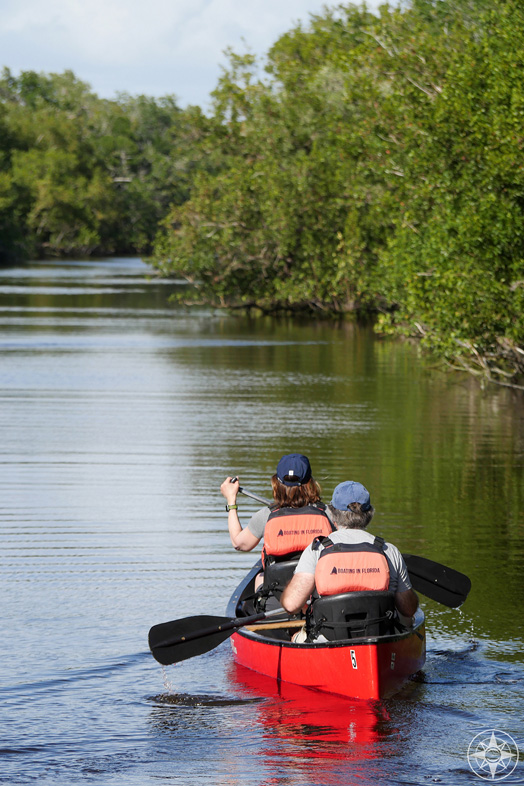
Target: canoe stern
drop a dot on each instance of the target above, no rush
(369, 669)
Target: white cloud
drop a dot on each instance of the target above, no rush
(154, 47)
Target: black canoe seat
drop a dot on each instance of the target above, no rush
(352, 615)
(276, 576)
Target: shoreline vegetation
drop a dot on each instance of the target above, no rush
(372, 165)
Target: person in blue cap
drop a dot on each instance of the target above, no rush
(296, 493)
(370, 563)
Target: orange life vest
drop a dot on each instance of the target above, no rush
(289, 530)
(351, 567)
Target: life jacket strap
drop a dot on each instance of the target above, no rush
(321, 541)
(326, 542)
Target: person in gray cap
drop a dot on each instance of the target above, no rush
(376, 565)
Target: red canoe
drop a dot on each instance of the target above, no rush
(362, 668)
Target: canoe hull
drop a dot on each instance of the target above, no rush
(366, 668)
(371, 670)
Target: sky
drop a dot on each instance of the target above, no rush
(150, 47)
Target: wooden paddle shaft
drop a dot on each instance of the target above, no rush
(271, 625)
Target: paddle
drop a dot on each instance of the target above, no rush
(247, 493)
(435, 581)
(172, 642)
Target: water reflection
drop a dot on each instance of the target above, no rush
(308, 737)
(264, 732)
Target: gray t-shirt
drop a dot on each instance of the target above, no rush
(257, 523)
(398, 573)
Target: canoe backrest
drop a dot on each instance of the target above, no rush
(352, 615)
(278, 574)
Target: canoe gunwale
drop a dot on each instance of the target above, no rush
(360, 642)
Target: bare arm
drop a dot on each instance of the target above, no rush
(298, 592)
(242, 539)
(406, 602)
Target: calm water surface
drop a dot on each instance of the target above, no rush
(120, 415)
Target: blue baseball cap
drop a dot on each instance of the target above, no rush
(294, 469)
(348, 492)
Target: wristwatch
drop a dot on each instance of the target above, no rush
(231, 507)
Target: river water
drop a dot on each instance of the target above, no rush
(120, 415)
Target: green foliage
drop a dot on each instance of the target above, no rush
(79, 174)
(310, 179)
(376, 164)
(455, 266)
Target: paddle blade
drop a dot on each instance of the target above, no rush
(436, 581)
(172, 642)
